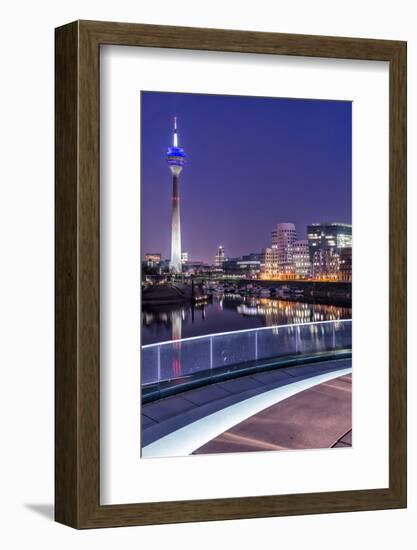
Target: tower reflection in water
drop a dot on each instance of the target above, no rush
(174, 322)
(177, 318)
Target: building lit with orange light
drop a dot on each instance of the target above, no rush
(301, 259)
(153, 258)
(279, 263)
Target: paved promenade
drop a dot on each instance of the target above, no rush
(306, 406)
(316, 418)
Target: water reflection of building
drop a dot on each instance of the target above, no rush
(175, 323)
(280, 312)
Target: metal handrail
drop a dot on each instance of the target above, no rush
(274, 327)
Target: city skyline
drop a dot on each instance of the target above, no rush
(228, 254)
(251, 163)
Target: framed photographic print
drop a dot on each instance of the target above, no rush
(230, 274)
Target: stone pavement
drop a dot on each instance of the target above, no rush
(328, 410)
(317, 418)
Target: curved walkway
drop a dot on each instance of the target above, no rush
(316, 418)
(188, 423)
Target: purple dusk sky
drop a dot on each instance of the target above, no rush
(251, 164)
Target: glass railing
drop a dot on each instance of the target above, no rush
(211, 357)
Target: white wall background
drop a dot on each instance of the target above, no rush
(26, 289)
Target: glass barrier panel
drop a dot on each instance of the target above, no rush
(343, 335)
(184, 358)
(315, 338)
(232, 349)
(149, 365)
(277, 342)
(192, 358)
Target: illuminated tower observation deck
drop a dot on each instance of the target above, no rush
(175, 158)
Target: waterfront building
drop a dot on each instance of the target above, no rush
(219, 258)
(250, 264)
(279, 261)
(270, 264)
(325, 242)
(262, 260)
(152, 259)
(283, 238)
(301, 259)
(253, 257)
(247, 266)
(346, 263)
(230, 266)
(175, 158)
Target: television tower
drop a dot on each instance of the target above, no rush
(175, 158)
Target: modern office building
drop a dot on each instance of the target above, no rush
(301, 259)
(230, 267)
(247, 266)
(345, 267)
(175, 158)
(184, 257)
(219, 258)
(250, 264)
(252, 257)
(325, 242)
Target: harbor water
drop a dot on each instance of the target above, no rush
(161, 323)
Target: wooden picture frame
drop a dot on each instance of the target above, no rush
(77, 405)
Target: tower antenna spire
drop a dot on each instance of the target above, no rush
(175, 132)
